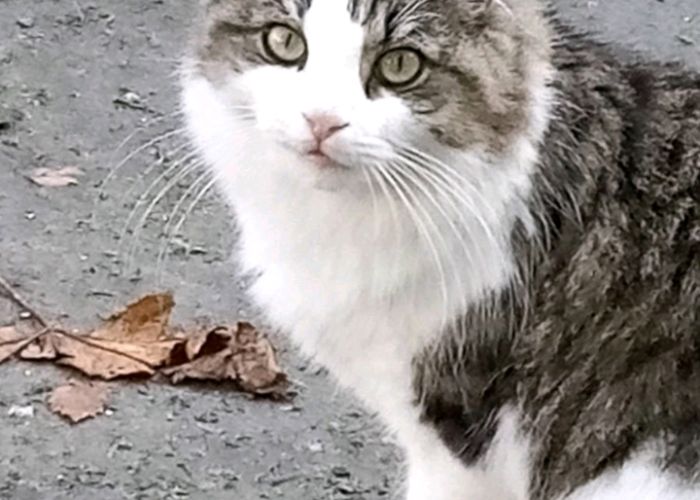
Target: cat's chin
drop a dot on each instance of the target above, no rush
(329, 184)
(327, 174)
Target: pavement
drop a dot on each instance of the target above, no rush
(91, 84)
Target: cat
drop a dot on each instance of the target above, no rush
(482, 222)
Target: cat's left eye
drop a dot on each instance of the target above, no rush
(284, 45)
(399, 67)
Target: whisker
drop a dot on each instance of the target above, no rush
(113, 171)
(451, 194)
(441, 169)
(400, 189)
(202, 193)
(143, 126)
(431, 224)
(184, 172)
(182, 163)
(168, 231)
(414, 176)
(373, 193)
(377, 173)
(155, 164)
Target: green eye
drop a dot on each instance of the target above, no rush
(284, 45)
(399, 67)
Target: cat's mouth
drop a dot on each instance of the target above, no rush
(321, 159)
(318, 157)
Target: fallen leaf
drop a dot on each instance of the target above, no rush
(9, 334)
(110, 360)
(214, 367)
(66, 176)
(10, 339)
(42, 349)
(138, 342)
(207, 342)
(133, 343)
(79, 401)
(146, 320)
(242, 356)
(255, 361)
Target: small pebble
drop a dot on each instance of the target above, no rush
(21, 411)
(25, 22)
(316, 447)
(340, 471)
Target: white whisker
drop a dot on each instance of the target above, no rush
(113, 171)
(448, 173)
(399, 188)
(168, 232)
(163, 255)
(184, 172)
(156, 164)
(370, 183)
(182, 163)
(415, 176)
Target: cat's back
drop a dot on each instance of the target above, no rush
(619, 295)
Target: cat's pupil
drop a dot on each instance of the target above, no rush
(288, 41)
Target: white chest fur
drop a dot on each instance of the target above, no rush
(353, 278)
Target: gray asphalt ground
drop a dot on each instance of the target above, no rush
(65, 66)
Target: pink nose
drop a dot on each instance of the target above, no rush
(324, 125)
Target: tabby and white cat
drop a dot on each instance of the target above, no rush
(483, 223)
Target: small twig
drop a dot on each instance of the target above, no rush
(23, 344)
(84, 340)
(7, 290)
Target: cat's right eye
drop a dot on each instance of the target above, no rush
(284, 45)
(399, 67)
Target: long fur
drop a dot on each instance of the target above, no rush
(484, 262)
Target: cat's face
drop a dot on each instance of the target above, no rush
(327, 88)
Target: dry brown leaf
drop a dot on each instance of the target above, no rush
(10, 339)
(255, 360)
(213, 367)
(146, 320)
(133, 343)
(9, 334)
(138, 342)
(206, 342)
(111, 360)
(42, 349)
(247, 358)
(79, 401)
(62, 177)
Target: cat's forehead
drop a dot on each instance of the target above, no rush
(392, 17)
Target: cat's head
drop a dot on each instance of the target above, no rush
(325, 89)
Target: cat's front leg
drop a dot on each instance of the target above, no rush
(441, 478)
(434, 472)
